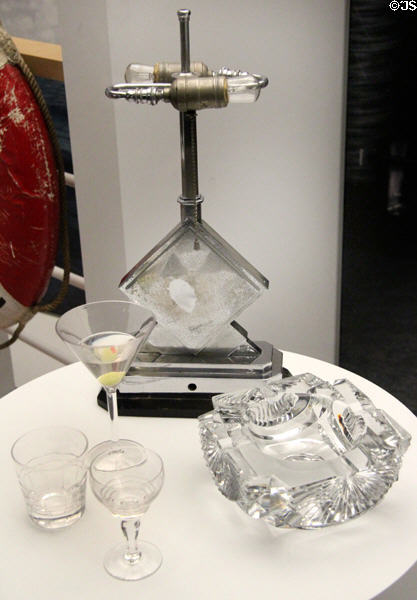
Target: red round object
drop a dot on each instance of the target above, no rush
(29, 198)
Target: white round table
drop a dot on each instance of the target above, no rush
(211, 549)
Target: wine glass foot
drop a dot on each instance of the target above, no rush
(117, 565)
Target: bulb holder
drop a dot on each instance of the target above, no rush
(196, 93)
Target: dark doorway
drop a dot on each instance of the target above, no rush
(379, 273)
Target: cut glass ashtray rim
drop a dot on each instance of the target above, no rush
(242, 450)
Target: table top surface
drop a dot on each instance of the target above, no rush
(211, 549)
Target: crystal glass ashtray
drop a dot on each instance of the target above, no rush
(301, 452)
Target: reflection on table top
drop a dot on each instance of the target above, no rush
(211, 549)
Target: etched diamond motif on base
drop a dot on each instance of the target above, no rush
(195, 283)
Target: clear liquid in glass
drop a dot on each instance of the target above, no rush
(129, 497)
(54, 489)
(108, 355)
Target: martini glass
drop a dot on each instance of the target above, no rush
(126, 478)
(106, 336)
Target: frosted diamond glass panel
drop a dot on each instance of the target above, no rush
(194, 283)
(232, 342)
(301, 452)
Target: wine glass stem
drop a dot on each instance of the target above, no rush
(111, 394)
(130, 528)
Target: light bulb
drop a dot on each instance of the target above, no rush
(243, 89)
(136, 73)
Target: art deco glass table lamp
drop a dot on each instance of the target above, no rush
(194, 282)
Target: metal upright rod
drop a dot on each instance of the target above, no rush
(184, 19)
(188, 129)
(189, 159)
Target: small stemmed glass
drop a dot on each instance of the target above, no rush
(126, 479)
(106, 336)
